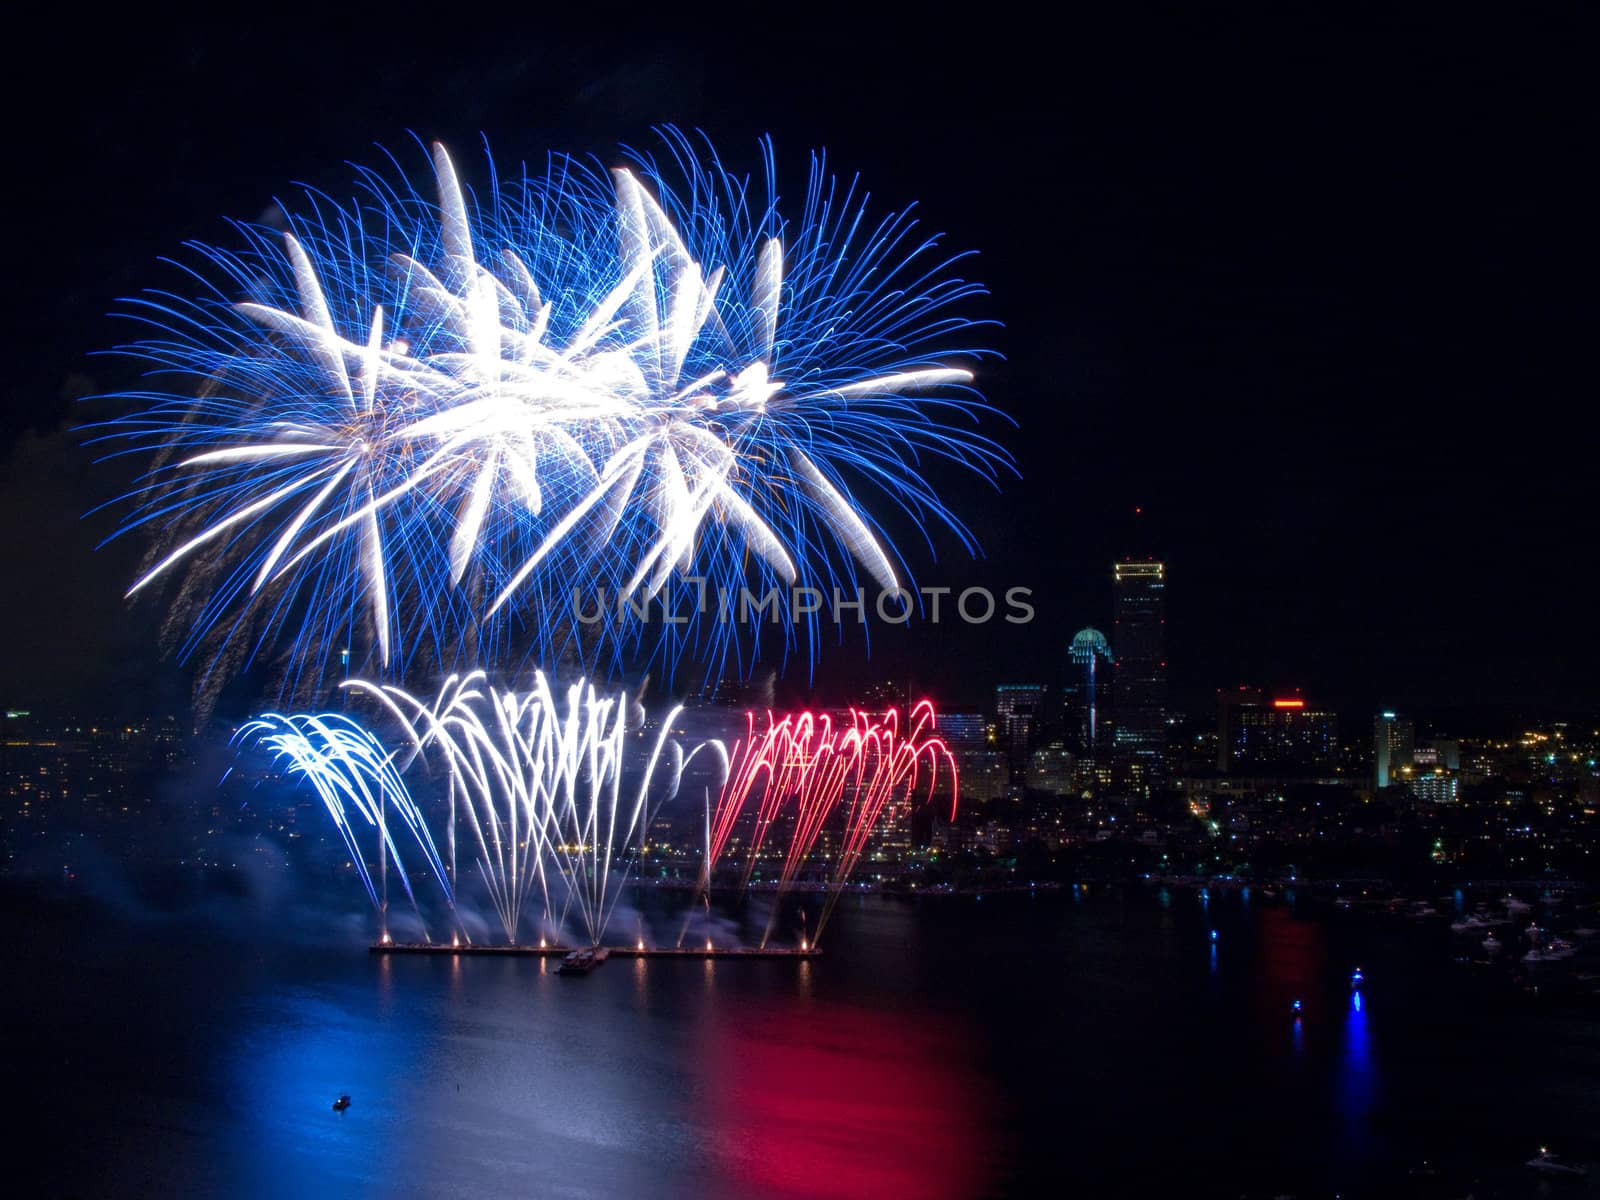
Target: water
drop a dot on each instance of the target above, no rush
(944, 1047)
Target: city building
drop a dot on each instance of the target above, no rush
(1446, 752)
(985, 776)
(1139, 688)
(1051, 769)
(1087, 659)
(1255, 733)
(1019, 712)
(1436, 786)
(964, 733)
(1229, 704)
(883, 695)
(1394, 741)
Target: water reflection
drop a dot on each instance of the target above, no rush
(1357, 1069)
(1293, 962)
(938, 1048)
(849, 1102)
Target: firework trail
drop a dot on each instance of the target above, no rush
(896, 765)
(539, 784)
(357, 781)
(407, 423)
(803, 769)
(536, 794)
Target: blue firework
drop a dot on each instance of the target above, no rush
(410, 427)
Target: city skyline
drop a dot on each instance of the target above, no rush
(837, 610)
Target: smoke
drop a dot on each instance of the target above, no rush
(710, 926)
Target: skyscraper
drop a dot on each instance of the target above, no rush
(1081, 695)
(1394, 742)
(1018, 709)
(1139, 691)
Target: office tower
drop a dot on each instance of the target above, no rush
(1393, 745)
(1018, 710)
(1229, 706)
(1283, 733)
(1139, 689)
(1087, 659)
(964, 733)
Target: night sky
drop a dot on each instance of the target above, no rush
(1322, 304)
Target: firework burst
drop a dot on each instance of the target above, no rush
(409, 423)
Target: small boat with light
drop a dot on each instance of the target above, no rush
(342, 1103)
(1555, 950)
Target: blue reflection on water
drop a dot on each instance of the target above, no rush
(289, 1068)
(1357, 1073)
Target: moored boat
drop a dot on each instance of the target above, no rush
(581, 962)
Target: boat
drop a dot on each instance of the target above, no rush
(1549, 1164)
(342, 1103)
(1513, 905)
(581, 962)
(1555, 950)
(1492, 944)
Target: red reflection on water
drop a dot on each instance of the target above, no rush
(1293, 952)
(1293, 961)
(846, 1102)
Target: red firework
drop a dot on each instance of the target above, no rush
(805, 767)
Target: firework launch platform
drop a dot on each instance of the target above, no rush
(562, 951)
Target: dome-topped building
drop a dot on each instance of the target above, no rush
(1082, 692)
(1088, 643)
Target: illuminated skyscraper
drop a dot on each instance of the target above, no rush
(1086, 658)
(1394, 742)
(1139, 690)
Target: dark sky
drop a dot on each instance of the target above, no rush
(1322, 302)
